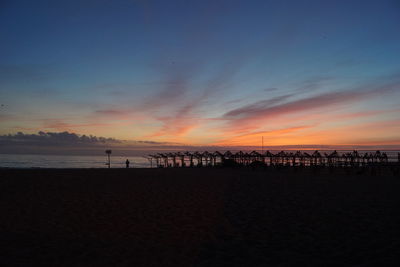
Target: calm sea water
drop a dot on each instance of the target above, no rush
(58, 161)
(61, 161)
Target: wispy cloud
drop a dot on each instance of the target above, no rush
(271, 108)
(257, 106)
(255, 136)
(314, 83)
(112, 112)
(175, 126)
(182, 103)
(319, 115)
(64, 125)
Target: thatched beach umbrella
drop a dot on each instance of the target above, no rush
(181, 157)
(269, 155)
(199, 157)
(190, 155)
(219, 155)
(299, 156)
(163, 157)
(228, 155)
(317, 158)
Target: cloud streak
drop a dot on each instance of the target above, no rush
(273, 108)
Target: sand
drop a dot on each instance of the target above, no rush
(199, 217)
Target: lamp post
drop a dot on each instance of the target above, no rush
(108, 152)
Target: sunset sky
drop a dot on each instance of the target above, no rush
(203, 72)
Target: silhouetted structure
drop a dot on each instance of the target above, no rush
(282, 158)
(127, 163)
(108, 152)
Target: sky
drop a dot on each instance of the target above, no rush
(205, 73)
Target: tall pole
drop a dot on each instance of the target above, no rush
(262, 144)
(108, 152)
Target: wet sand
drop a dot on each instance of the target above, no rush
(199, 217)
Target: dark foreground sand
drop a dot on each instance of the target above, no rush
(199, 217)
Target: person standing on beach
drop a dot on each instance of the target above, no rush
(127, 163)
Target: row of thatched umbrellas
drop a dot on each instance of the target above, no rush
(192, 159)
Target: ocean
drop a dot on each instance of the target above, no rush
(69, 161)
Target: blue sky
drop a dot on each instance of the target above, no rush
(298, 72)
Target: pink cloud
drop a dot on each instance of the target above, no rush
(268, 109)
(62, 125)
(111, 112)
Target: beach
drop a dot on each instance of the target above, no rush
(200, 217)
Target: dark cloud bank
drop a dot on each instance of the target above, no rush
(53, 143)
(72, 143)
(49, 138)
(65, 143)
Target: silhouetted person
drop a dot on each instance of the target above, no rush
(127, 163)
